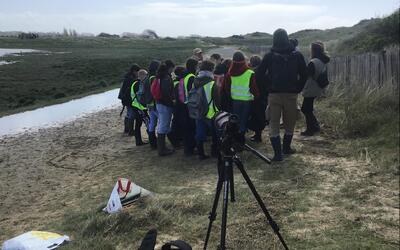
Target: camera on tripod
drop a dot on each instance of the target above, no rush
(227, 127)
(231, 142)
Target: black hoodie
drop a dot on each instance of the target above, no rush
(283, 69)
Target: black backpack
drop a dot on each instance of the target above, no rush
(144, 94)
(283, 72)
(322, 79)
(125, 93)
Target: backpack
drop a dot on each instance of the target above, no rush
(144, 94)
(197, 103)
(283, 72)
(125, 94)
(181, 91)
(322, 79)
(156, 89)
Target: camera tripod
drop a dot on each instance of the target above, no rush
(225, 181)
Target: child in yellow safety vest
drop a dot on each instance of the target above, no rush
(139, 111)
(205, 80)
(240, 85)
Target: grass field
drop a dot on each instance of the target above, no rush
(84, 66)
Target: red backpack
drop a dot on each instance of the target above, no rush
(156, 89)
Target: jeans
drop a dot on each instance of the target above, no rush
(164, 119)
(153, 119)
(202, 126)
(129, 112)
(242, 110)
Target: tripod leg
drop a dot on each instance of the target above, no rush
(232, 187)
(224, 214)
(271, 221)
(213, 213)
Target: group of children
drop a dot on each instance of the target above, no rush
(161, 97)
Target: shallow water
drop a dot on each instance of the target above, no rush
(4, 52)
(56, 115)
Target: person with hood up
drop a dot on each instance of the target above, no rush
(284, 72)
(205, 80)
(312, 90)
(240, 85)
(164, 106)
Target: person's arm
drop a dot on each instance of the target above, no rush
(303, 74)
(311, 69)
(261, 70)
(253, 86)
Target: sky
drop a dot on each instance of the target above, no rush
(186, 17)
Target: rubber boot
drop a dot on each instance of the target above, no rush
(162, 149)
(152, 140)
(173, 140)
(256, 137)
(131, 130)
(138, 137)
(200, 150)
(126, 125)
(276, 145)
(286, 149)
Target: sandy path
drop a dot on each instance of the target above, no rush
(45, 174)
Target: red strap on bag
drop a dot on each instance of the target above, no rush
(121, 188)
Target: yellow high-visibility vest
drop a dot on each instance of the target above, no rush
(135, 102)
(212, 109)
(185, 85)
(240, 86)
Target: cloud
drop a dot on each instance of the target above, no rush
(172, 18)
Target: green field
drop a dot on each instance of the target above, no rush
(86, 65)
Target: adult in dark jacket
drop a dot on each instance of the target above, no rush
(164, 106)
(257, 120)
(190, 126)
(205, 80)
(312, 90)
(241, 87)
(125, 96)
(284, 71)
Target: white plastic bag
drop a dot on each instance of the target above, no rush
(35, 240)
(114, 203)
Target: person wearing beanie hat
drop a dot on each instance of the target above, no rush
(241, 88)
(284, 72)
(312, 90)
(198, 55)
